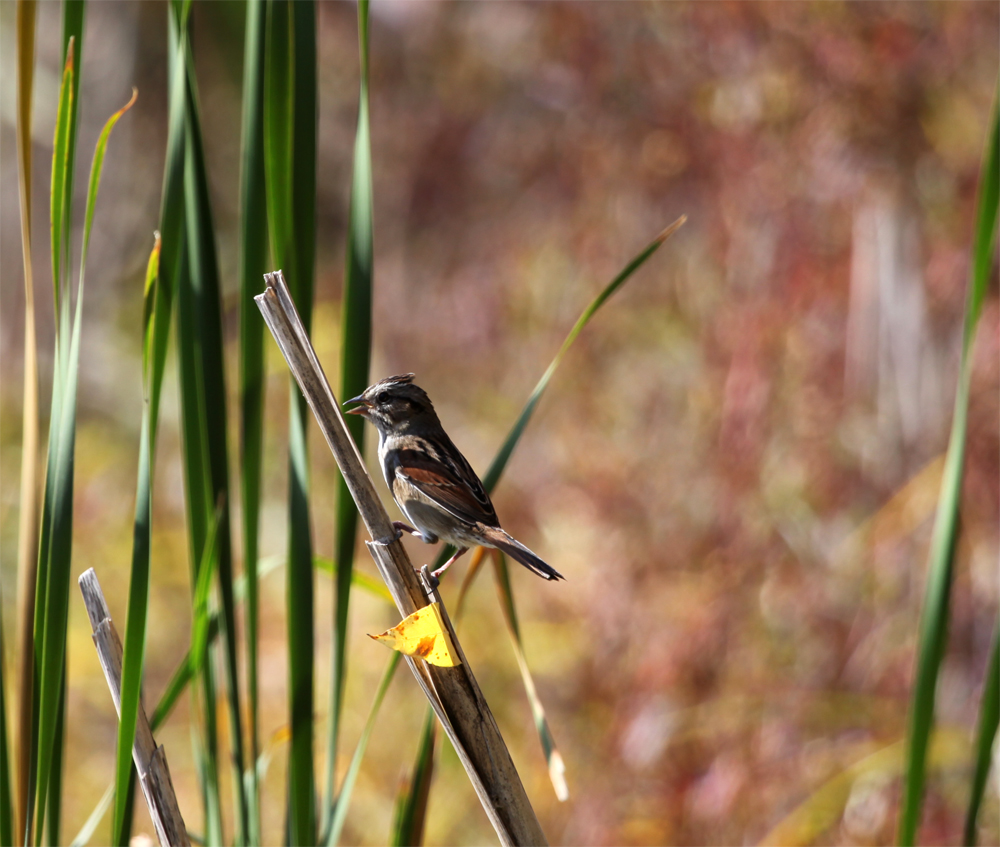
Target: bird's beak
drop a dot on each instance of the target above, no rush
(358, 410)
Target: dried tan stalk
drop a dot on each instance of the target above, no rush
(452, 692)
(150, 760)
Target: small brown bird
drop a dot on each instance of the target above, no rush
(430, 480)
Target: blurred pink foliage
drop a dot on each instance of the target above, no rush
(711, 467)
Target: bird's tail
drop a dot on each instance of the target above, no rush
(514, 548)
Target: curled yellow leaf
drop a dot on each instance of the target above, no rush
(424, 635)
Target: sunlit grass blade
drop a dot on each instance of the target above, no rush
(989, 717)
(411, 804)
(356, 321)
(175, 266)
(181, 677)
(203, 392)
(934, 614)
(6, 798)
(72, 39)
(53, 811)
(61, 156)
(253, 265)
(27, 532)
(472, 570)
(496, 469)
(138, 599)
(503, 455)
(371, 584)
(344, 795)
(94, 820)
(55, 543)
(824, 807)
(492, 476)
(290, 178)
(553, 758)
(51, 626)
(202, 617)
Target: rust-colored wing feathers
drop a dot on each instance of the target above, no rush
(433, 472)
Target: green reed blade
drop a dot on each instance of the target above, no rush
(57, 533)
(344, 795)
(553, 758)
(72, 34)
(356, 332)
(28, 526)
(503, 455)
(371, 584)
(253, 265)
(411, 804)
(989, 718)
(6, 795)
(934, 614)
(181, 677)
(279, 112)
(203, 387)
(53, 814)
(138, 598)
(201, 616)
(61, 155)
(290, 177)
(55, 543)
(499, 463)
(179, 196)
(90, 825)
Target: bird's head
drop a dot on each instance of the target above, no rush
(393, 403)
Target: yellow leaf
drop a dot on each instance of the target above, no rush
(424, 635)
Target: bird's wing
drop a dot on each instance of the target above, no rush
(444, 476)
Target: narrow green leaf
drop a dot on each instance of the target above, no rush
(54, 802)
(203, 389)
(499, 463)
(290, 178)
(28, 526)
(201, 616)
(60, 159)
(90, 825)
(6, 795)
(553, 758)
(411, 804)
(55, 548)
(989, 718)
(279, 111)
(253, 265)
(934, 614)
(180, 203)
(72, 40)
(180, 679)
(371, 584)
(96, 168)
(356, 323)
(824, 807)
(344, 796)
(496, 468)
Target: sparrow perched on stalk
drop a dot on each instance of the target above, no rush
(430, 480)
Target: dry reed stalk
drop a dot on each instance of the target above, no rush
(150, 760)
(453, 692)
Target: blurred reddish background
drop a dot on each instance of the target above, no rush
(735, 467)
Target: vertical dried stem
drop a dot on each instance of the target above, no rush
(150, 760)
(452, 692)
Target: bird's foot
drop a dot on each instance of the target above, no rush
(401, 527)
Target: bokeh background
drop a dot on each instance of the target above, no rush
(735, 467)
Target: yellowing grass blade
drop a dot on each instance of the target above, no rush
(553, 758)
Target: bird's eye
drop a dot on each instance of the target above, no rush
(382, 398)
